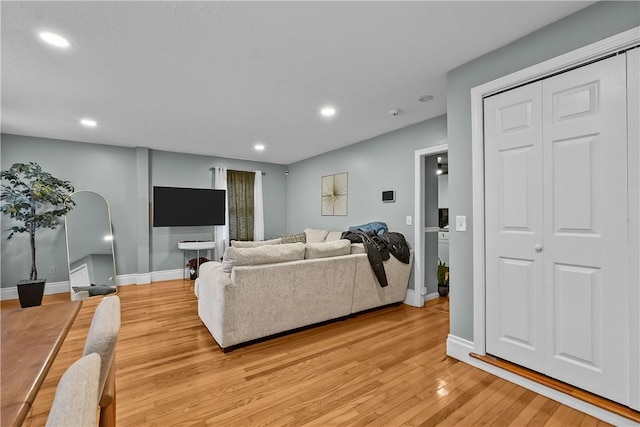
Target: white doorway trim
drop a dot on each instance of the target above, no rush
(417, 299)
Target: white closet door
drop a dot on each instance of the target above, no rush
(585, 228)
(557, 245)
(513, 191)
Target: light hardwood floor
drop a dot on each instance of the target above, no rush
(383, 368)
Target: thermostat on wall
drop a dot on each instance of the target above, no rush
(389, 196)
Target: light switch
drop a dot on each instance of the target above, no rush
(408, 219)
(461, 223)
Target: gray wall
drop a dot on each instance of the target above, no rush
(115, 172)
(187, 170)
(382, 163)
(107, 170)
(584, 27)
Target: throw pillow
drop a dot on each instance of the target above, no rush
(315, 236)
(267, 254)
(327, 249)
(293, 238)
(252, 244)
(333, 236)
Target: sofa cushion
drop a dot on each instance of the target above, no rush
(244, 244)
(333, 236)
(315, 236)
(267, 254)
(294, 238)
(327, 249)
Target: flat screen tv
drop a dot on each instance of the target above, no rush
(183, 207)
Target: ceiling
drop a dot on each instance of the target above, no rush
(216, 78)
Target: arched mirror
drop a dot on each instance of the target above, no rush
(92, 267)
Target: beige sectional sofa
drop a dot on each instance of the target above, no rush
(261, 291)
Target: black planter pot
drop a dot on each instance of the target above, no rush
(30, 292)
(443, 290)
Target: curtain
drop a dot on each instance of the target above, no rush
(221, 232)
(258, 208)
(240, 194)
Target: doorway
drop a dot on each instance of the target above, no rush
(427, 222)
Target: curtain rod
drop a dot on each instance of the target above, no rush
(239, 170)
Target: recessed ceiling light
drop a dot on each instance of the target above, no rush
(328, 111)
(425, 98)
(54, 39)
(88, 122)
(259, 147)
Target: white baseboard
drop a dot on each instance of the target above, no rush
(434, 295)
(459, 348)
(143, 278)
(410, 297)
(122, 280)
(49, 289)
(159, 276)
(8, 293)
(126, 279)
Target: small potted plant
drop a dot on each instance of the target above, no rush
(443, 278)
(35, 199)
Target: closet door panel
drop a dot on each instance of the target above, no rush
(513, 188)
(585, 228)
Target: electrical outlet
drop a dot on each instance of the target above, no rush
(408, 219)
(52, 269)
(461, 223)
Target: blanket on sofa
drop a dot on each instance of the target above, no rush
(378, 248)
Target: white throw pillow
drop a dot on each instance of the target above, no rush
(327, 249)
(315, 236)
(252, 244)
(267, 254)
(333, 236)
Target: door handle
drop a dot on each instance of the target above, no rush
(538, 247)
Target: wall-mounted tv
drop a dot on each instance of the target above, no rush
(183, 207)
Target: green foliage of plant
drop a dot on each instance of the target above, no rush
(34, 198)
(443, 273)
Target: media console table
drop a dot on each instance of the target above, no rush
(198, 245)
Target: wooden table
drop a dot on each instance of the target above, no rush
(31, 338)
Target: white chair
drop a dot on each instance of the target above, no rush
(102, 338)
(74, 404)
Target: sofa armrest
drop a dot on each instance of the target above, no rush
(215, 289)
(205, 269)
(368, 293)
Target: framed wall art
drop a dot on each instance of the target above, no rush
(335, 194)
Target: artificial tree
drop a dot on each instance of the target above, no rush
(36, 199)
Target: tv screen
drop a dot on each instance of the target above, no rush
(181, 207)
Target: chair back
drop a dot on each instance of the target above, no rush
(103, 335)
(75, 401)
